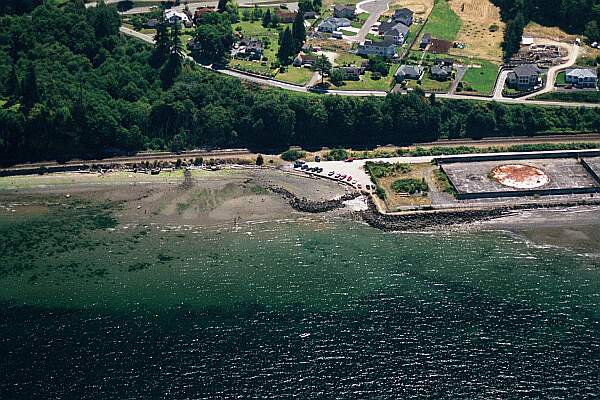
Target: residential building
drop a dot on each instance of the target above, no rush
(353, 73)
(251, 48)
(175, 17)
(337, 34)
(333, 24)
(425, 41)
(384, 48)
(582, 77)
(305, 60)
(202, 11)
(440, 73)
(414, 72)
(152, 23)
(398, 33)
(344, 11)
(404, 15)
(524, 77)
(310, 15)
(286, 17)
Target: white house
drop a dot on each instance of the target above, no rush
(333, 24)
(174, 16)
(582, 77)
(384, 48)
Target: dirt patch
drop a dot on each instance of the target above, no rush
(477, 17)
(520, 176)
(393, 200)
(547, 32)
(420, 7)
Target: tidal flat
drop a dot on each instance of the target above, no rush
(118, 291)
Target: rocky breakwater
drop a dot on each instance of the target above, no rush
(310, 206)
(438, 219)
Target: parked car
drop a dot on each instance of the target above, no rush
(317, 159)
(349, 179)
(331, 173)
(349, 159)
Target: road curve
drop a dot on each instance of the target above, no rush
(357, 93)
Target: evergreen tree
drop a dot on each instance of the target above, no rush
(266, 20)
(30, 91)
(323, 66)
(221, 5)
(172, 68)
(317, 4)
(162, 45)
(287, 47)
(513, 35)
(299, 31)
(12, 83)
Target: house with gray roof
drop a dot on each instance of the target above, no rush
(425, 41)
(404, 72)
(524, 77)
(582, 77)
(332, 24)
(398, 33)
(384, 48)
(440, 73)
(404, 15)
(344, 11)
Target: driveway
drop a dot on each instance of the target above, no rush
(500, 84)
(553, 71)
(375, 8)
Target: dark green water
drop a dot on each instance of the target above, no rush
(290, 309)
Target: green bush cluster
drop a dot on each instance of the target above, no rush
(410, 186)
(292, 155)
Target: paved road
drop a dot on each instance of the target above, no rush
(375, 8)
(358, 93)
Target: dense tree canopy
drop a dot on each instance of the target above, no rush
(70, 86)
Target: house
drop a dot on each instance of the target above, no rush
(425, 41)
(524, 77)
(333, 24)
(202, 11)
(310, 15)
(384, 48)
(398, 33)
(440, 73)
(409, 72)
(251, 49)
(304, 60)
(444, 62)
(404, 15)
(151, 23)
(353, 73)
(343, 11)
(337, 34)
(175, 17)
(582, 77)
(286, 17)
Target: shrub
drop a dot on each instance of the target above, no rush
(376, 76)
(260, 160)
(292, 155)
(380, 192)
(337, 155)
(410, 186)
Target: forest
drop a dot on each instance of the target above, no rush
(70, 86)
(574, 16)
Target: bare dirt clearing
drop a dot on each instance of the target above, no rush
(477, 17)
(420, 7)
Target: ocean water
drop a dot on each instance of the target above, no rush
(304, 308)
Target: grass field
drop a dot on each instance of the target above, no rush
(443, 23)
(572, 96)
(296, 75)
(561, 78)
(481, 30)
(430, 85)
(345, 58)
(481, 80)
(368, 83)
(348, 33)
(256, 67)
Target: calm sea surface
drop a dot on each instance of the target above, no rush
(308, 309)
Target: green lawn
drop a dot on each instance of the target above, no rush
(443, 23)
(373, 38)
(561, 78)
(359, 20)
(430, 85)
(481, 80)
(296, 75)
(345, 58)
(348, 33)
(252, 66)
(368, 83)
